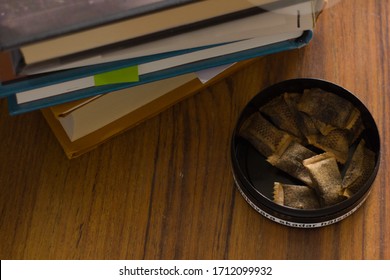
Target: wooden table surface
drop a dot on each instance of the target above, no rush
(164, 190)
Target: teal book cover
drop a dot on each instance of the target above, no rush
(15, 108)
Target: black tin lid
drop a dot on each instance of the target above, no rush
(255, 177)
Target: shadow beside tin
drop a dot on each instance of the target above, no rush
(255, 177)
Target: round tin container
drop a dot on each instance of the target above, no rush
(255, 177)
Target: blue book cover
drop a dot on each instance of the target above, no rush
(15, 108)
(42, 80)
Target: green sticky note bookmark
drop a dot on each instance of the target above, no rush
(124, 75)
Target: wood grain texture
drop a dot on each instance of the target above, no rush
(164, 190)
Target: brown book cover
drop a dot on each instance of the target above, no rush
(151, 109)
(7, 72)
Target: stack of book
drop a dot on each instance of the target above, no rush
(96, 68)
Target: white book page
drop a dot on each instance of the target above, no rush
(115, 105)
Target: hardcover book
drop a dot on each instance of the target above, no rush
(82, 125)
(282, 29)
(87, 89)
(46, 29)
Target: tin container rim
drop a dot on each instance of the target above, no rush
(258, 198)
